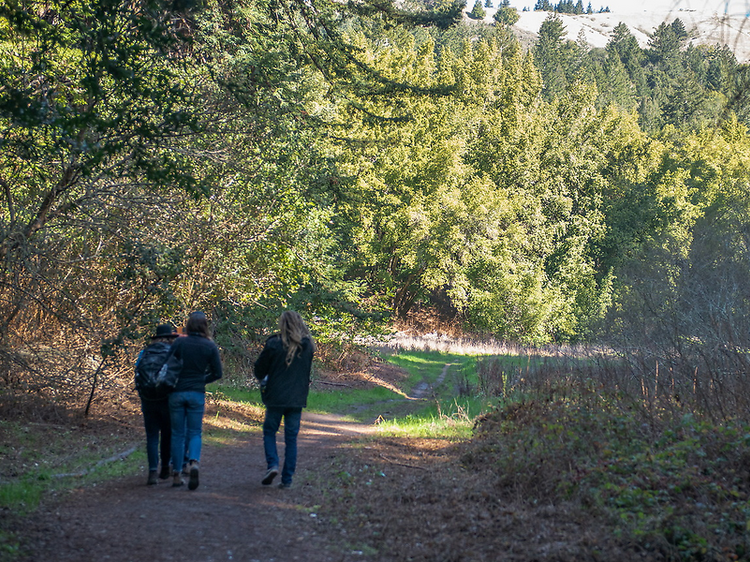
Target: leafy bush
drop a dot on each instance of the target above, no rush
(677, 486)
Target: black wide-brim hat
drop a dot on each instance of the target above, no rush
(165, 331)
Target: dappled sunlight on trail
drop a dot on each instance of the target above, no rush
(316, 425)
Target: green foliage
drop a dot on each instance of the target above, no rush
(649, 480)
(505, 15)
(478, 12)
(553, 55)
(353, 163)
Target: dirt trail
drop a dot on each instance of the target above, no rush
(231, 516)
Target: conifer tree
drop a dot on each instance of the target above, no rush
(478, 12)
(506, 16)
(551, 55)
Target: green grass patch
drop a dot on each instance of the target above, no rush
(424, 366)
(354, 404)
(22, 496)
(33, 455)
(443, 415)
(448, 419)
(235, 394)
(348, 402)
(451, 414)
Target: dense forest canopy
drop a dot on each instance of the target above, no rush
(357, 162)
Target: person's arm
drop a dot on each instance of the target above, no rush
(137, 362)
(215, 370)
(263, 362)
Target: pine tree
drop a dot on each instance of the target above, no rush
(679, 29)
(550, 54)
(477, 12)
(506, 16)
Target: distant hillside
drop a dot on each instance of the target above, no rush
(733, 31)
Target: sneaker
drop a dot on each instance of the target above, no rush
(193, 482)
(165, 473)
(270, 475)
(152, 480)
(176, 479)
(285, 485)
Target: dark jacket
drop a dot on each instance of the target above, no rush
(201, 363)
(287, 385)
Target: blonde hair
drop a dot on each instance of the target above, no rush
(293, 330)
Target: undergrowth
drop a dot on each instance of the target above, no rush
(677, 486)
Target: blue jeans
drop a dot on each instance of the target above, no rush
(292, 418)
(186, 412)
(156, 418)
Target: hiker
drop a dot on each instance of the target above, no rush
(155, 401)
(200, 365)
(283, 369)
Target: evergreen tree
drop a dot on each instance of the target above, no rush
(624, 46)
(679, 29)
(477, 12)
(664, 46)
(617, 87)
(506, 16)
(551, 55)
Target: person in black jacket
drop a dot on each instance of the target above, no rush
(201, 364)
(155, 401)
(283, 368)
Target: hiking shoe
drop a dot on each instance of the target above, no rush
(270, 475)
(193, 482)
(285, 485)
(176, 479)
(165, 473)
(152, 480)
(186, 469)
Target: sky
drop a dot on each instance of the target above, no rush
(629, 6)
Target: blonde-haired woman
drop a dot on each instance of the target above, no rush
(283, 368)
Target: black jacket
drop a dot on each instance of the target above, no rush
(287, 386)
(201, 363)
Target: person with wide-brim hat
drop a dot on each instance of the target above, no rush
(155, 402)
